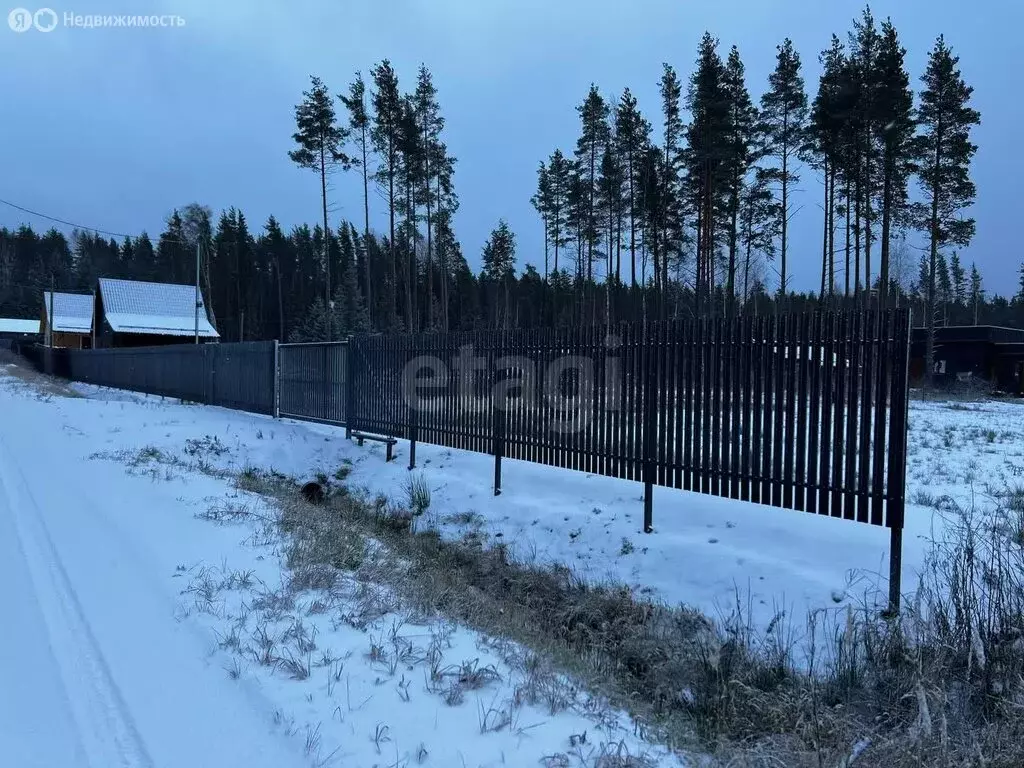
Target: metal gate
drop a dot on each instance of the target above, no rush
(312, 381)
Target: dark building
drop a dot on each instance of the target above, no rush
(972, 354)
(71, 324)
(131, 313)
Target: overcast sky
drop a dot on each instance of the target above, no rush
(113, 128)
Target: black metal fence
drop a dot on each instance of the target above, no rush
(313, 381)
(800, 411)
(240, 375)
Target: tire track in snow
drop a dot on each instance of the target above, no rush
(106, 728)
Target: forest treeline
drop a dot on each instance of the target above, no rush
(682, 211)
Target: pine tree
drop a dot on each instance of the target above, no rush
(386, 138)
(541, 201)
(610, 203)
(826, 144)
(741, 155)
(412, 155)
(430, 123)
(709, 151)
(784, 121)
(632, 136)
(671, 209)
(863, 82)
(320, 140)
(557, 212)
(594, 137)
(445, 242)
(943, 152)
(653, 205)
(359, 124)
(893, 121)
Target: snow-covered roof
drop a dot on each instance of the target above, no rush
(17, 325)
(72, 312)
(132, 306)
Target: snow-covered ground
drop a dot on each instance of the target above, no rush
(139, 634)
(130, 607)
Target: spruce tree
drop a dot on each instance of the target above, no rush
(319, 139)
(499, 261)
(784, 123)
(943, 151)
(945, 287)
(978, 292)
(958, 277)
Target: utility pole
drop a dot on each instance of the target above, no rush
(49, 324)
(198, 300)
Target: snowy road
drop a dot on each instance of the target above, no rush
(94, 669)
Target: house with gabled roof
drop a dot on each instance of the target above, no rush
(133, 313)
(66, 320)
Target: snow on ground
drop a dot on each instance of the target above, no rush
(97, 545)
(141, 635)
(706, 552)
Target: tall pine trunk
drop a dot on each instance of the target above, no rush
(366, 233)
(327, 238)
(632, 221)
(824, 237)
(887, 204)
(929, 353)
(832, 233)
(848, 200)
(785, 203)
(856, 231)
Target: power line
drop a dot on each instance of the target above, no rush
(62, 221)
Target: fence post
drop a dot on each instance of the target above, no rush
(350, 388)
(497, 417)
(899, 411)
(650, 424)
(275, 362)
(413, 434)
